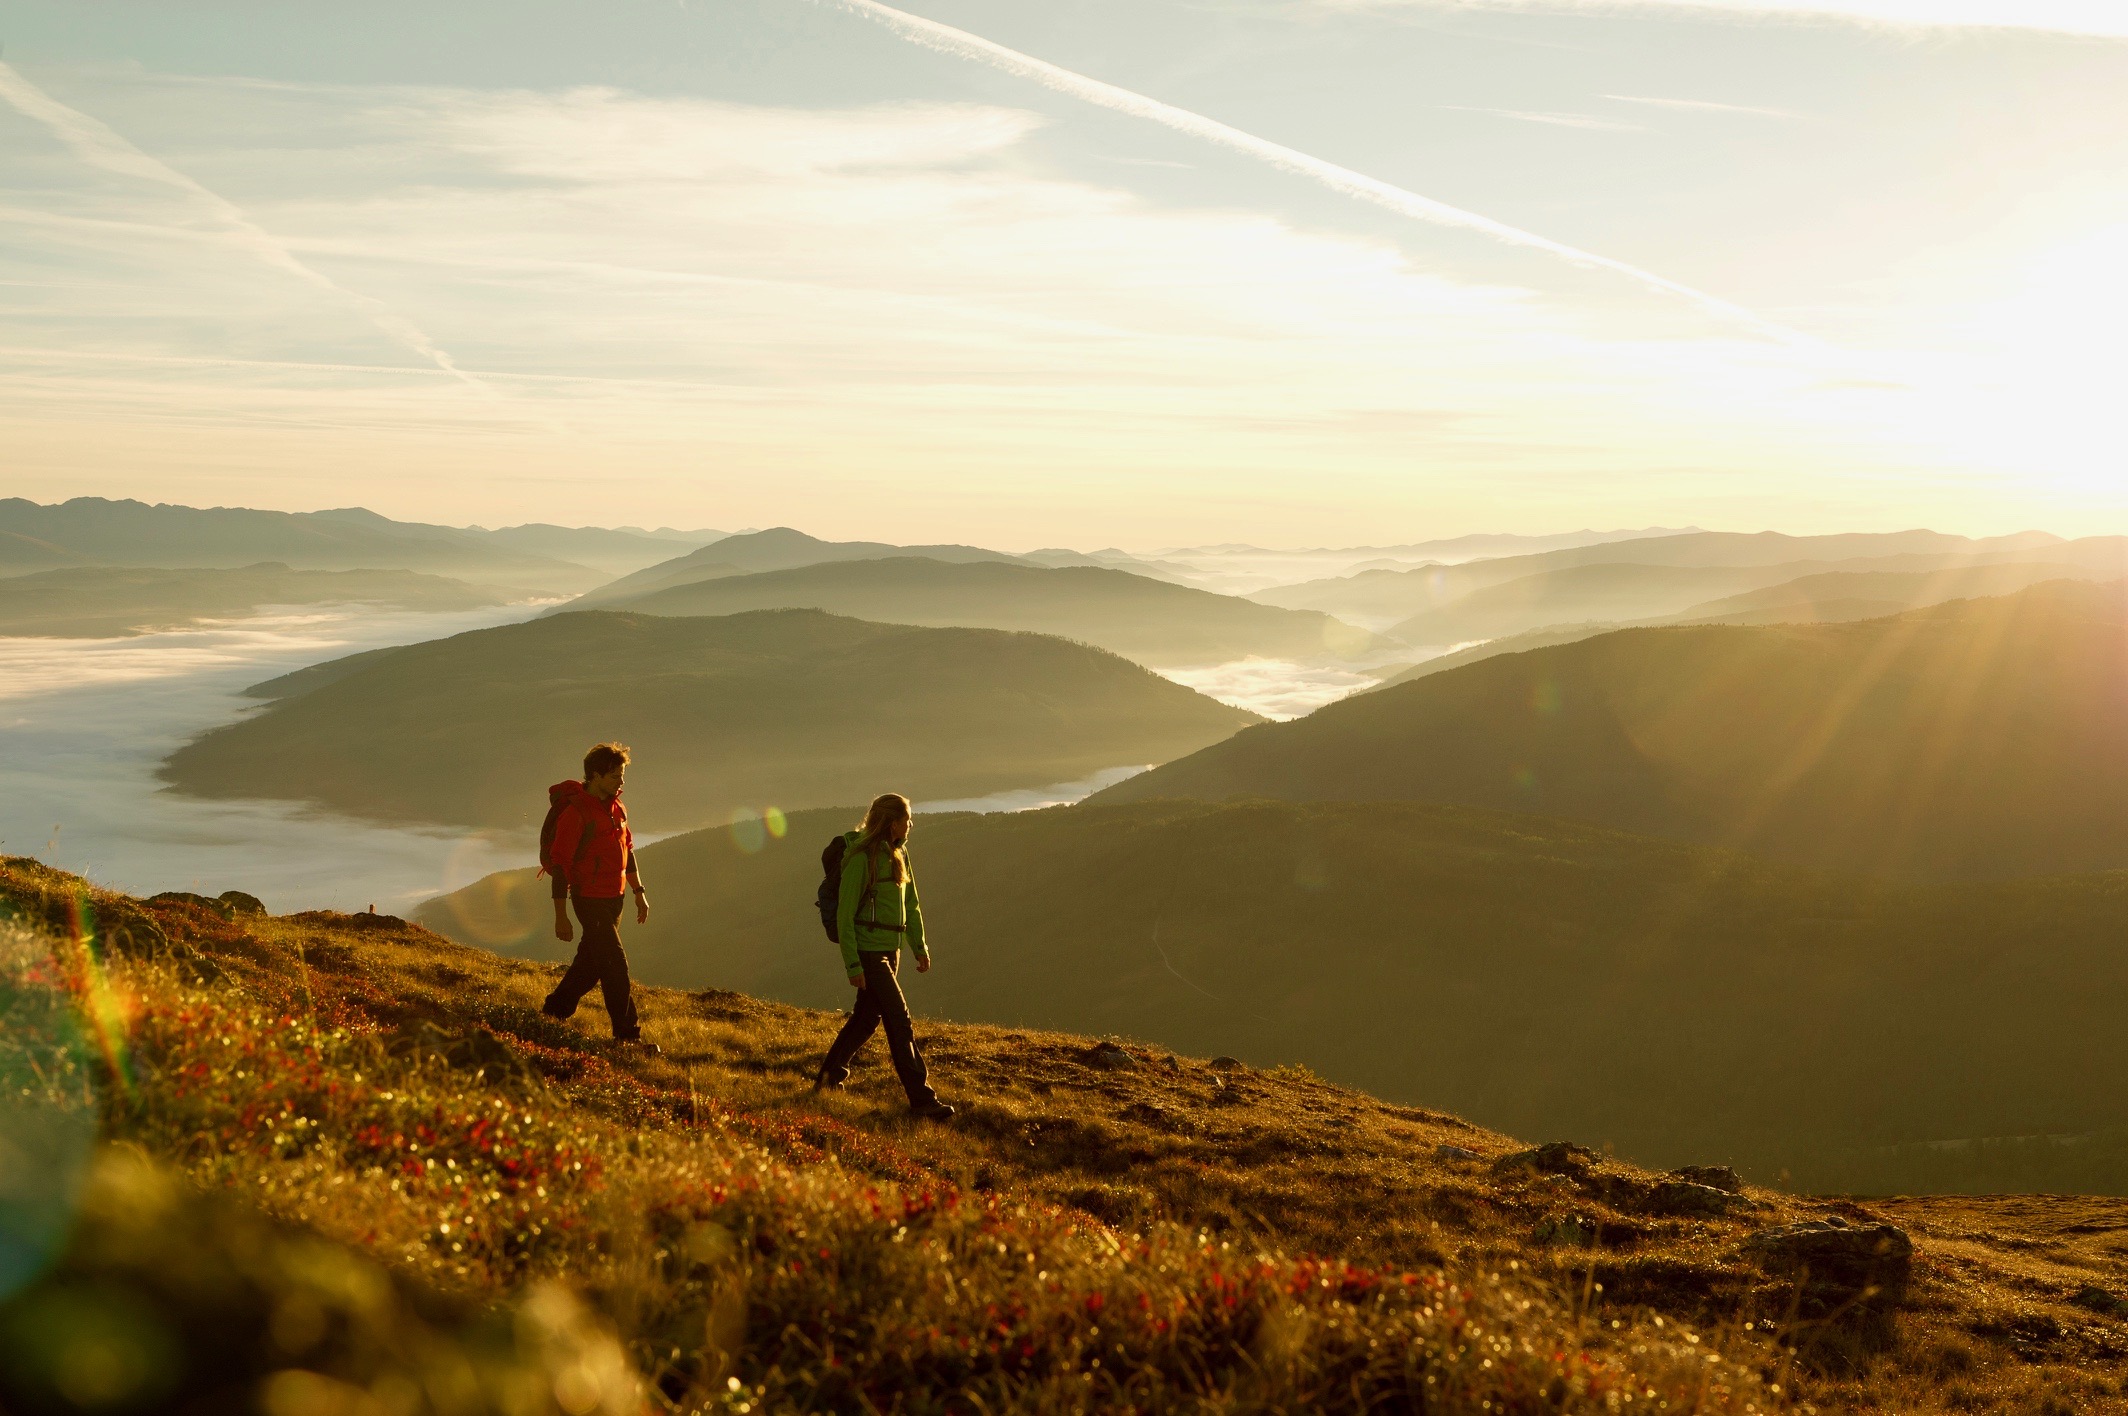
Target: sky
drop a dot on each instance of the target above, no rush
(1145, 273)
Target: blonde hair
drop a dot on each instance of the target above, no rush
(886, 812)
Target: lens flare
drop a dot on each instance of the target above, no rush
(103, 1009)
(778, 825)
(748, 832)
(499, 909)
(47, 1104)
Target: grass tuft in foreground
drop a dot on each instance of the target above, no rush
(357, 1159)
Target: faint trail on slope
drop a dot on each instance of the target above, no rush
(945, 39)
(1170, 967)
(101, 146)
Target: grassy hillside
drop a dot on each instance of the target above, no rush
(1508, 968)
(105, 601)
(788, 708)
(1388, 595)
(96, 531)
(1133, 615)
(335, 1138)
(779, 548)
(1982, 738)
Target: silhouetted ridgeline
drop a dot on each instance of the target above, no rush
(1141, 618)
(789, 708)
(1677, 1002)
(1979, 738)
(95, 531)
(99, 601)
(778, 548)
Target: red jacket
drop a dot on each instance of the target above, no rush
(594, 851)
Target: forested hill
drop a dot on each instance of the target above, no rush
(789, 708)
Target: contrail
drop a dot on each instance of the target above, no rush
(99, 145)
(945, 39)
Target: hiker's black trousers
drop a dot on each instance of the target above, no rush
(599, 961)
(881, 1001)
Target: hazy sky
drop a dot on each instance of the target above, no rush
(1293, 271)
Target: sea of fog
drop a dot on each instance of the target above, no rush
(1280, 688)
(84, 723)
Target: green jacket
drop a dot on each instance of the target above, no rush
(891, 904)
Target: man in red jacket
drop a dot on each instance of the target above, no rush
(593, 860)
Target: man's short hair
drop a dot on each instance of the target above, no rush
(604, 758)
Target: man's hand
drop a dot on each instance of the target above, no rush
(857, 980)
(563, 930)
(923, 965)
(642, 908)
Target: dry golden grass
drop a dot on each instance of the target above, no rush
(1165, 1235)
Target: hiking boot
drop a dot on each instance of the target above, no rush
(936, 1111)
(822, 1083)
(639, 1045)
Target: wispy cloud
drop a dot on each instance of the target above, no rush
(725, 300)
(2103, 18)
(946, 39)
(96, 143)
(696, 285)
(1698, 105)
(1556, 120)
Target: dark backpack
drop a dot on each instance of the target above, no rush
(546, 836)
(829, 896)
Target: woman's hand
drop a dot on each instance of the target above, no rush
(923, 965)
(642, 908)
(563, 930)
(857, 981)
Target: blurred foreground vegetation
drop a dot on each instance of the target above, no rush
(356, 1171)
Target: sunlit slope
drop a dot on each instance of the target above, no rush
(1133, 615)
(1675, 1001)
(1847, 595)
(1811, 599)
(1394, 594)
(1978, 738)
(104, 601)
(778, 548)
(790, 708)
(1099, 1229)
(1589, 592)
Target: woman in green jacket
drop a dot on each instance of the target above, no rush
(876, 914)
